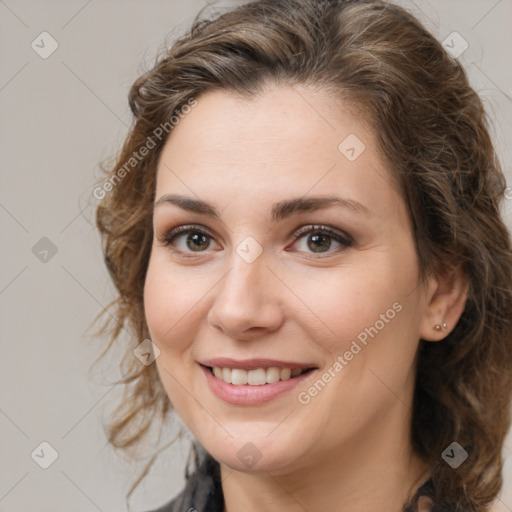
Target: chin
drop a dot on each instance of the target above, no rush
(254, 454)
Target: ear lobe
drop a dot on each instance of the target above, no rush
(445, 299)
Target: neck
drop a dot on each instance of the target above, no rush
(376, 471)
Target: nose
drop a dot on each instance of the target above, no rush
(246, 304)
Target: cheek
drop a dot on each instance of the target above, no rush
(373, 311)
(171, 304)
(359, 300)
(171, 308)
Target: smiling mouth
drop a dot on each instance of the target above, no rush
(257, 377)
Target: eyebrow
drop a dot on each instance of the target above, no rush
(280, 210)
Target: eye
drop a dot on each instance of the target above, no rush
(320, 239)
(186, 239)
(316, 239)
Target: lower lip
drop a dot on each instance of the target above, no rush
(247, 394)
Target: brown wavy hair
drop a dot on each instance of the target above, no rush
(432, 131)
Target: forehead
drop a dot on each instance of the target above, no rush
(283, 141)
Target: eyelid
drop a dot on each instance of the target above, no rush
(311, 228)
(171, 233)
(341, 237)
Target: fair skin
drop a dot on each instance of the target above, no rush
(302, 300)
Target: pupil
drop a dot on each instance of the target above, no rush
(319, 242)
(197, 241)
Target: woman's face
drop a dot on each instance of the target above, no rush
(295, 253)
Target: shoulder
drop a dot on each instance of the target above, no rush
(202, 491)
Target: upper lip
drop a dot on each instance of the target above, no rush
(253, 364)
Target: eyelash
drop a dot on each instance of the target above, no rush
(343, 239)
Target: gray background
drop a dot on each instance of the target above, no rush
(60, 116)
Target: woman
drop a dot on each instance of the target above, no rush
(304, 220)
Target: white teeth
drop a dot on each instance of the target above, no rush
(273, 375)
(286, 373)
(238, 377)
(258, 377)
(226, 374)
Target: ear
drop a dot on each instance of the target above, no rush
(445, 299)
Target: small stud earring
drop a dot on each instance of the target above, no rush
(437, 327)
(445, 326)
